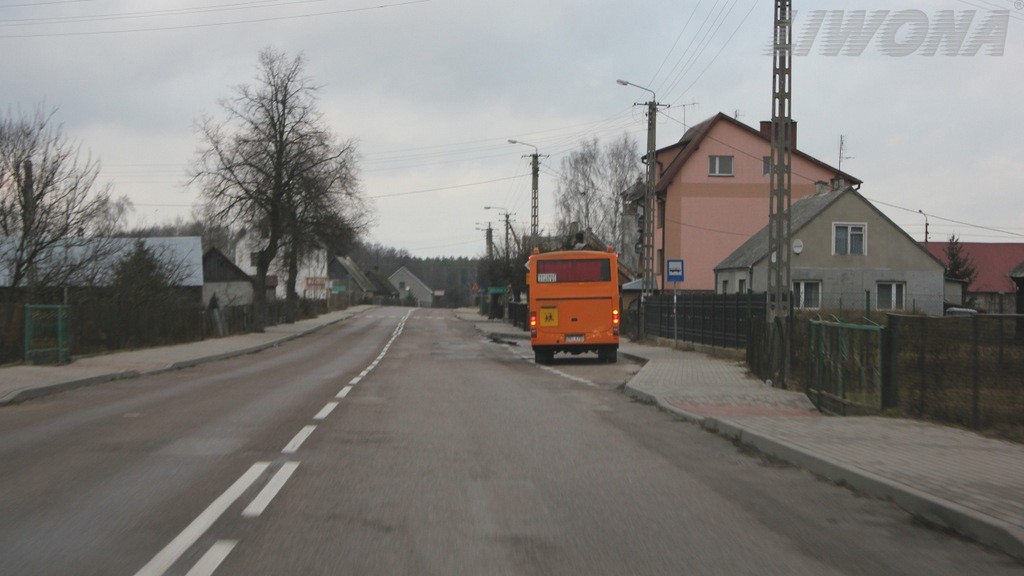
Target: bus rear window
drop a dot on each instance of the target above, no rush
(558, 271)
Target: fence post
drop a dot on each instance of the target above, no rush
(921, 362)
(890, 356)
(975, 374)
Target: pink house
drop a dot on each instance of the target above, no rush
(712, 194)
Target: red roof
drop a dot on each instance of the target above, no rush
(993, 261)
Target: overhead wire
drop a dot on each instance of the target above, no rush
(216, 24)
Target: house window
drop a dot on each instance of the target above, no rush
(891, 295)
(849, 239)
(661, 213)
(720, 166)
(254, 258)
(725, 286)
(741, 287)
(766, 167)
(807, 294)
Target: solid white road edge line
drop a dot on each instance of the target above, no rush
(263, 499)
(182, 542)
(297, 441)
(213, 558)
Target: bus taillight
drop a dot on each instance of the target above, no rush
(615, 321)
(533, 324)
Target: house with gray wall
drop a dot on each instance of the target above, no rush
(223, 279)
(846, 254)
(409, 285)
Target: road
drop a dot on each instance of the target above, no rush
(403, 442)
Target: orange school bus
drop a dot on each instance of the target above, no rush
(574, 304)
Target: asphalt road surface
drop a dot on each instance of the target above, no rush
(403, 442)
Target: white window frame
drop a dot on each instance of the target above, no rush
(715, 166)
(766, 166)
(800, 294)
(897, 295)
(849, 226)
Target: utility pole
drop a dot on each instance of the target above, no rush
(779, 220)
(648, 235)
(490, 239)
(534, 220)
(508, 231)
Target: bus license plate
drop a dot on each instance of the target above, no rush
(573, 338)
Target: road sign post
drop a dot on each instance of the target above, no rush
(675, 275)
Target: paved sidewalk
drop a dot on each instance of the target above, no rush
(18, 383)
(946, 476)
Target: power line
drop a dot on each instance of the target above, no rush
(442, 188)
(968, 224)
(217, 24)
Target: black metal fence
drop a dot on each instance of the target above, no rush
(967, 371)
(712, 319)
(99, 325)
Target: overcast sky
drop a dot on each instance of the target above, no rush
(433, 89)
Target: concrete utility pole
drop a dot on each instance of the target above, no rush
(648, 233)
(534, 220)
(490, 239)
(779, 221)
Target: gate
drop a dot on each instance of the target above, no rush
(844, 367)
(46, 335)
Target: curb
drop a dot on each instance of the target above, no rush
(45, 390)
(930, 509)
(39, 391)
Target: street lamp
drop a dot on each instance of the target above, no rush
(534, 198)
(648, 239)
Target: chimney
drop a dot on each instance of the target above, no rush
(820, 187)
(766, 131)
(838, 183)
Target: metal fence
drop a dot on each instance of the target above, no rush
(845, 367)
(704, 318)
(967, 371)
(98, 325)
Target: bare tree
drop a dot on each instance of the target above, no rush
(590, 186)
(325, 218)
(578, 188)
(257, 164)
(53, 214)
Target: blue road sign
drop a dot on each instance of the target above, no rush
(675, 270)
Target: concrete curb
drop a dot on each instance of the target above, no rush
(930, 509)
(39, 391)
